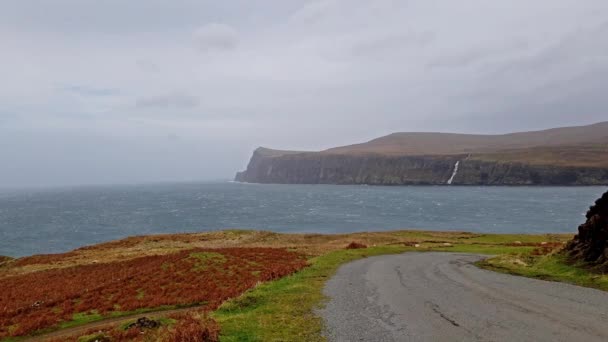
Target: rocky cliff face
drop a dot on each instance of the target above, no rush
(590, 245)
(559, 156)
(268, 166)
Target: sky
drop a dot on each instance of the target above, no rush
(114, 91)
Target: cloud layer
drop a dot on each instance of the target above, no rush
(214, 36)
(114, 91)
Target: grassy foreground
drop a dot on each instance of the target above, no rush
(284, 309)
(552, 266)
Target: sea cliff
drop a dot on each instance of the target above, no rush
(559, 156)
(270, 166)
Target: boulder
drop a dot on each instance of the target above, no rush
(144, 323)
(590, 245)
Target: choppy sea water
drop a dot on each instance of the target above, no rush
(58, 220)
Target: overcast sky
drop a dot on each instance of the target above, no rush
(135, 91)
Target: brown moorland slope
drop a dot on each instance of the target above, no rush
(201, 277)
(451, 143)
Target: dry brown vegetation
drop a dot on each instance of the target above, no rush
(182, 269)
(547, 248)
(43, 299)
(421, 143)
(186, 327)
(194, 329)
(355, 245)
(306, 244)
(4, 259)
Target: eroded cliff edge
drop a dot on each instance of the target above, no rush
(317, 168)
(561, 156)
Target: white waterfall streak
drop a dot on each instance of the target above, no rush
(454, 173)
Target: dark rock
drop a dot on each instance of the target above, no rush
(590, 245)
(37, 304)
(144, 323)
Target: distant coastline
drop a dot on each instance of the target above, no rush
(569, 156)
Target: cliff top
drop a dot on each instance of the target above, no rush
(428, 143)
(584, 146)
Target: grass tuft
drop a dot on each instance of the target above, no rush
(553, 267)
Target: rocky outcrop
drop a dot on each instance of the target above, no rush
(270, 166)
(590, 245)
(144, 323)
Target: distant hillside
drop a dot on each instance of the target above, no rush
(451, 143)
(559, 156)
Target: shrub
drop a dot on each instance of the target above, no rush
(192, 329)
(355, 245)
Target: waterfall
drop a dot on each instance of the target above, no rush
(454, 173)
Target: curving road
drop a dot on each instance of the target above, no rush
(443, 297)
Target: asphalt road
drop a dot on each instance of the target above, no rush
(444, 297)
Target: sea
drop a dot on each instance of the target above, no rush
(36, 221)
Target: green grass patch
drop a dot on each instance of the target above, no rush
(283, 310)
(483, 249)
(167, 321)
(552, 267)
(140, 294)
(238, 232)
(82, 318)
(204, 259)
(523, 238)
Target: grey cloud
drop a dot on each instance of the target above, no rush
(172, 100)
(147, 66)
(118, 17)
(313, 10)
(90, 91)
(293, 74)
(576, 101)
(214, 36)
(579, 46)
(479, 54)
(385, 44)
